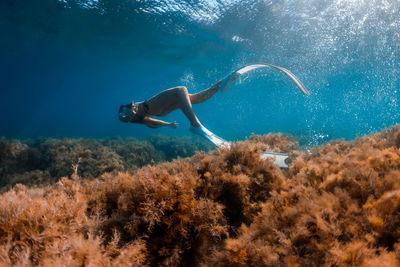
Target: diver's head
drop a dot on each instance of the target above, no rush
(128, 112)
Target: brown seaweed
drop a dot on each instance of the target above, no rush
(338, 205)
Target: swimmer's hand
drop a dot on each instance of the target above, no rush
(173, 124)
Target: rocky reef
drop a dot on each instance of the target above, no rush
(337, 205)
(45, 160)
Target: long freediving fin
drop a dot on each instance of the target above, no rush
(228, 80)
(205, 133)
(279, 158)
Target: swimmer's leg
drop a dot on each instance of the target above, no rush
(170, 100)
(185, 105)
(204, 95)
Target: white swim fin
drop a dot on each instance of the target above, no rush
(279, 158)
(227, 81)
(205, 133)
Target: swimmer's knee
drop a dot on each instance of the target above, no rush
(182, 90)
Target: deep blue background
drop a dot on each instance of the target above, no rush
(66, 66)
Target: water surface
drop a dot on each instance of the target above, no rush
(66, 66)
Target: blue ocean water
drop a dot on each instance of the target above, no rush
(67, 65)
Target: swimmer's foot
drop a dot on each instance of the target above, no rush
(202, 131)
(227, 81)
(205, 133)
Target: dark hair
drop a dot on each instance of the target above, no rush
(123, 106)
(120, 109)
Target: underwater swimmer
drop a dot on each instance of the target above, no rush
(166, 102)
(179, 98)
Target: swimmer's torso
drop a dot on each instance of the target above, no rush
(151, 107)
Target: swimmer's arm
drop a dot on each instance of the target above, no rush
(154, 123)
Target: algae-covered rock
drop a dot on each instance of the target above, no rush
(337, 205)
